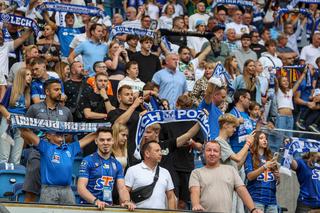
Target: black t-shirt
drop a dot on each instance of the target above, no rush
(182, 158)
(71, 89)
(132, 126)
(148, 65)
(178, 40)
(168, 147)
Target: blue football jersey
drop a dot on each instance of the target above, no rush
(263, 188)
(309, 180)
(100, 173)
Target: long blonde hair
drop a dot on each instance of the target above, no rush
(20, 87)
(116, 130)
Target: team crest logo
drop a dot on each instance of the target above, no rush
(105, 166)
(169, 115)
(5, 17)
(55, 158)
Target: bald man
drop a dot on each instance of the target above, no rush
(171, 82)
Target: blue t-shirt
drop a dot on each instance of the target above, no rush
(238, 139)
(305, 92)
(214, 114)
(20, 105)
(37, 88)
(263, 188)
(309, 180)
(91, 52)
(56, 162)
(100, 173)
(66, 35)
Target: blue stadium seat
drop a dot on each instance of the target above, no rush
(10, 176)
(18, 194)
(76, 194)
(76, 165)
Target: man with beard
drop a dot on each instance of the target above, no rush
(96, 105)
(5, 49)
(49, 109)
(75, 88)
(188, 66)
(128, 115)
(99, 172)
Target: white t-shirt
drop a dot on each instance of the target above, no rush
(153, 11)
(141, 175)
(239, 28)
(284, 100)
(133, 24)
(136, 85)
(165, 23)
(309, 54)
(5, 49)
(178, 9)
(196, 43)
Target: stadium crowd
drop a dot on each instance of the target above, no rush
(249, 65)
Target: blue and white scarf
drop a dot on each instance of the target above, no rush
(168, 116)
(20, 21)
(70, 8)
(19, 121)
(298, 145)
(19, 3)
(235, 2)
(293, 3)
(118, 30)
(302, 11)
(220, 72)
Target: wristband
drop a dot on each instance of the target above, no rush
(252, 210)
(94, 201)
(106, 100)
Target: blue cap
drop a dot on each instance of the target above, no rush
(200, 22)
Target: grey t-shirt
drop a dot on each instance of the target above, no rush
(41, 111)
(226, 153)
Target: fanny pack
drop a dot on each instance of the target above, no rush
(144, 192)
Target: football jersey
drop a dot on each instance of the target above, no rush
(309, 180)
(263, 188)
(101, 173)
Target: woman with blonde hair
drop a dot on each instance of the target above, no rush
(119, 149)
(249, 81)
(16, 101)
(200, 86)
(63, 70)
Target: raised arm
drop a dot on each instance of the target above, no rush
(183, 139)
(19, 41)
(204, 53)
(30, 136)
(87, 139)
(124, 118)
(303, 75)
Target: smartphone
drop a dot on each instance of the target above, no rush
(140, 93)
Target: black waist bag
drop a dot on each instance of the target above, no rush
(144, 192)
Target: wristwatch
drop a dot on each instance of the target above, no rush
(94, 201)
(106, 100)
(252, 210)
